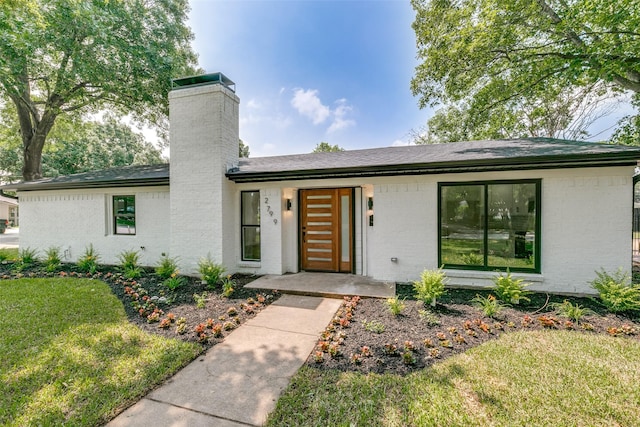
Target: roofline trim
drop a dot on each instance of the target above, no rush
(149, 182)
(435, 168)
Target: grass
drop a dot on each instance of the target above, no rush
(535, 378)
(8, 254)
(70, 356)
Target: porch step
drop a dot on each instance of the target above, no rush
(328, 285)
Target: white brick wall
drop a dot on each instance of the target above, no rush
(73, 219)
(204, 142)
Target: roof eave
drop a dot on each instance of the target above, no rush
(146, 182)
(551, 162)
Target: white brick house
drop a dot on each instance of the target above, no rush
(551, 210)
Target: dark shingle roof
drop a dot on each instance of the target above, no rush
(495, 155)
(530, 153)
(128, 176)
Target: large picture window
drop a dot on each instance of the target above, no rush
(491, 225)
(250, 225)
(124, 214)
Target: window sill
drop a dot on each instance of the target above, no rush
(249, 264)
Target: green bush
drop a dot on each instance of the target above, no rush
(616, 291)
(28, 256)
(167, 267)
(211, 271)
(396, 305)
(510, 290)
(228, 285)
(571, 311)
(88, 262)
(174, 282)
(490, 305)
(129, 263)
(430, 287)
(52, 261)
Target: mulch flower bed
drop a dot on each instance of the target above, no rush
(366, 337)
(176, 314)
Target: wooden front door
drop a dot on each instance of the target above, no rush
(326, 236)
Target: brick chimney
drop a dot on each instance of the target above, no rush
(203, 117)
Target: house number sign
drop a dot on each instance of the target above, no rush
(266, 202)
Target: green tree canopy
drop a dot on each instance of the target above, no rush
(62, 56)
(325, 147)
(76, 146)
(243, 150)
(491, 61)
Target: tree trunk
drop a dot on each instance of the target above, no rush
(32, 158)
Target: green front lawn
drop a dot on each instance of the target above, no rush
(71, 357)
(532, 378)
(8, 254)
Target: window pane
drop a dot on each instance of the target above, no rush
(251, 243)
(250, 208)
(345, 223)
(250, 223)
(124, 208)
(512, 225)
(462, 228)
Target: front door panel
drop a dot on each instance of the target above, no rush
(326, 230)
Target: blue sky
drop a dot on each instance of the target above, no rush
(308, 71)
(311, 71)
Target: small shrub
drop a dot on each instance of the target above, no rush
(166, 267)
(408, 358)
(373, 326)
(429, 317)
(616, 291)
(129, 263)
(490, 306)
(430, 287)
(228, 285)
(28, 256)
(201, 299)
(88, 262)
(396, 305)
(52, 261)
(571, 311)
(510, 290)
(129, 259)
(174, 282)
(211, 271)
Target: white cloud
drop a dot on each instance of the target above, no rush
(339, 114)
(254, 104)
(308, 104)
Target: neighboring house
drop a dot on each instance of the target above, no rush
(9, 209)
(552, 210)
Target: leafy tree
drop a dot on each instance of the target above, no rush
(62, 56)
(564, 114)
(244, 150)
(325, 147)
(491, 61)
(77, 146)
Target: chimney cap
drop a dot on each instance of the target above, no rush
(204, 79)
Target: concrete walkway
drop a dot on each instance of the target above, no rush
(238, 381)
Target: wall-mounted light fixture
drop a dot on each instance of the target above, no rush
(370, 203)
(288, 204)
